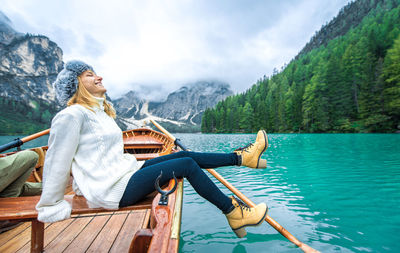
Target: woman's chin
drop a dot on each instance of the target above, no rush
(103, 91)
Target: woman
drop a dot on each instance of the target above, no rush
(85, 139)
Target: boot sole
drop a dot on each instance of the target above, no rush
(265, 148)
(241, 231)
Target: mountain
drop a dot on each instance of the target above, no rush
(346, 79)
(348, 17)
(28, 66)
(181, 111)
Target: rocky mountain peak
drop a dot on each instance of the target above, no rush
(129, 105)
(28, 63)
(183, 106)
(189, 102)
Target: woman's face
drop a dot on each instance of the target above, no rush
(92, 83)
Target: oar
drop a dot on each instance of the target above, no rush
(18, 142)
(246, 200)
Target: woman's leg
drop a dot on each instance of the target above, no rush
(204, 160)
(14, 171)
(142, 182)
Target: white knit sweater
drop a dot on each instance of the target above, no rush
(90, 145)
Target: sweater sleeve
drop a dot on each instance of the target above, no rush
(63, 143)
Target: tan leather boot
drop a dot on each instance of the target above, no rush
(250, 155)
(243, 216)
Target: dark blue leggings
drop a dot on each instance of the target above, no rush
(184, 164)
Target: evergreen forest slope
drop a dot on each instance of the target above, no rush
(347, 83)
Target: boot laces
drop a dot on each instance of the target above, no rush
(245, 148)
(242, 205)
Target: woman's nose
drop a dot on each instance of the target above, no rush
(99, 78)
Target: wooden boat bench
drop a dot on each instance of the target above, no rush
(162, 230)
(23, 209)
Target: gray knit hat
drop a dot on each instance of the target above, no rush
(66, 83)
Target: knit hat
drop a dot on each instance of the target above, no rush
(66, 83)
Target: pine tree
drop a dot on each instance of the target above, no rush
(391, 75)
(246, 120)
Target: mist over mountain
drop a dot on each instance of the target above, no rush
(7, 32)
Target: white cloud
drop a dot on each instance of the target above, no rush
(166, 43)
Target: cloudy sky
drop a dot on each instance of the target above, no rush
(158, 45)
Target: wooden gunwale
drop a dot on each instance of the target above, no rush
(99, 230)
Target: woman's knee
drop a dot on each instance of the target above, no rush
(190, 166)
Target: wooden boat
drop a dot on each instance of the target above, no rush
(144, 227)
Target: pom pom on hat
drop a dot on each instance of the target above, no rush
(66, 83)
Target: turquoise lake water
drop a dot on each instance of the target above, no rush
(334, 192)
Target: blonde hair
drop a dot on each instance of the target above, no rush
(83, 97)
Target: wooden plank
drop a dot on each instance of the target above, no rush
(80, 206)
(142, 238)
(95, 214)
(19, 207)
(51, 231)
(173, 245)
(6, 236)
(121, 212)
(142, 140)
(140, 157)
(133, 223)
(17, 242)
(88, 234)
(106, 237)
(24, 207)
(68, 235)
(20, 239)
(146, 146)
(146, 220)
(82, 242)
(177, 216)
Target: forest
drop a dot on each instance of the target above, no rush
(349, 84)
(16, 117)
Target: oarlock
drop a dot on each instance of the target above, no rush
(164, 194)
